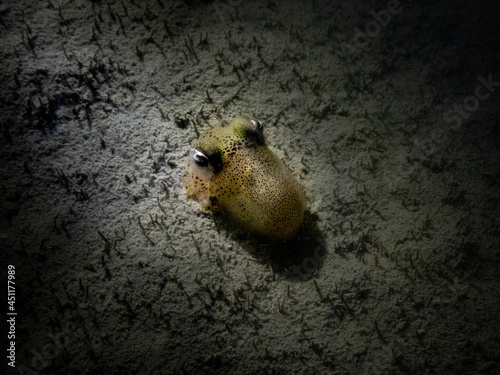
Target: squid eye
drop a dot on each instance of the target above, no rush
(258, 125)
(199, 158)
(256, 135)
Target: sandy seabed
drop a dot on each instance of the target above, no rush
(386, 112)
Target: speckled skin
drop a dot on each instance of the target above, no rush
(242, 176)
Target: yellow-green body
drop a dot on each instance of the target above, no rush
(245, 178)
